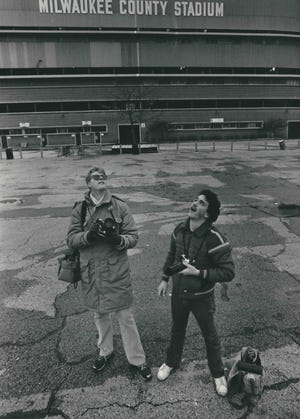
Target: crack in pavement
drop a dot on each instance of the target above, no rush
(282, 385)
(30, 343)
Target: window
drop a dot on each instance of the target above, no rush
(101, 128)
(196, 126)
(202, 125)
(102, 106)
(48, 107)
(215, 126)
(75, 106)
(204, 103)
(293, 82)
(228, 103)
(122, 105)
(20, 107)
(33, 131)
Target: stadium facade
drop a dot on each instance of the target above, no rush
(82, 71)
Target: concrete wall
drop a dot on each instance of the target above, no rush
(270, 15)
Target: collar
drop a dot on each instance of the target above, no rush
(95, 201)
(200, 231)
(106, 199)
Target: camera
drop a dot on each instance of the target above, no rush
(107, 226)
(178, 267)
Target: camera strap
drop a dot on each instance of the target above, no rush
(92, 215)
(187, 244)
(83, 213)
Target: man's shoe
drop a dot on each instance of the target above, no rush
(143, 370)
(164, 372)
(101, 362)
(221, 386)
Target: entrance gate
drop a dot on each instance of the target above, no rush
(125, 134)
(293, 129)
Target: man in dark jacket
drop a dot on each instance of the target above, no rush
(103, 239)
(199, 256)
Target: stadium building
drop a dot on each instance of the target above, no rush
(122, 71)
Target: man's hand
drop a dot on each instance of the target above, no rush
(190, 269)
(92, 234)
(113, 237)
(162, 289)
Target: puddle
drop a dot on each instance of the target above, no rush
(276, 209)
(11, 201)
(288, 210)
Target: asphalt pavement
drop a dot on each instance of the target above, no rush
(48, 341)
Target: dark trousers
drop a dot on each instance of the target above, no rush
(203, 309)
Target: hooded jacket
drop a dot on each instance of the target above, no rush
(105, 270)
(206, 249)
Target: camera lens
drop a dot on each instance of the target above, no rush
(110, 224)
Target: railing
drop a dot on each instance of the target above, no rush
(237, 145)
(191, 146)
(64, 150)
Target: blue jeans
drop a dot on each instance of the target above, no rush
(203, 309)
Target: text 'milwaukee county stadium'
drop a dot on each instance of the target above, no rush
(79, 72)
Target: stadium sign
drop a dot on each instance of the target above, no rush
(133, 7)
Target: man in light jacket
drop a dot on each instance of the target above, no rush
(199, 256)
(103, 239)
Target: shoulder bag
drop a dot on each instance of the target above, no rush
(69, 263)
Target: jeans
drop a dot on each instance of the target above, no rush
(130, 336)
(203, 309)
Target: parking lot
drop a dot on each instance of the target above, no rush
(48, 341)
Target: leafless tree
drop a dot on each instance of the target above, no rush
(137, 103)
(274, 127)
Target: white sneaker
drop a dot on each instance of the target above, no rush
(164, 372)
(221, 386)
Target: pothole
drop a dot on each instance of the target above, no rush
(276, 209)
(289, 210)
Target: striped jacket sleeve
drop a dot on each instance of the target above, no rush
(171, 255)
(221, 263)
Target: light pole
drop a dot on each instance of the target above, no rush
(101, 140)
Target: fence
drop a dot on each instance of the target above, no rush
(205, 146)
(253, 145)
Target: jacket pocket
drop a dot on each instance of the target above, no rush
(119, 267)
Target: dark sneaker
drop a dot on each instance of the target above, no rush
(101, 362)
(143, 370)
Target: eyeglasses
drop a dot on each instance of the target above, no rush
(99, 177)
